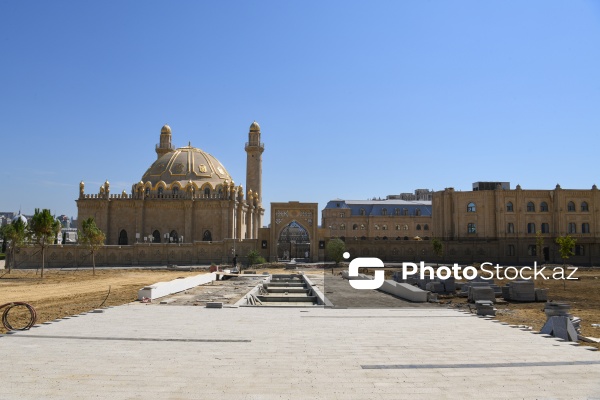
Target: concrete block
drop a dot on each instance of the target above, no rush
(560, 327)
(214, 304)
(161, 289)
(481, 293)
(541, 294)
(404, 291)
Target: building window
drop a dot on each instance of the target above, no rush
(510, 228)
(405, 227)
(531, 227)
(354, 227)
(147, 191)
(532, 250)
(160, 191)
(471, 228)
(572, 228)
(545, 227)
(425, 227)
(385, 238)
(530, 207)
(511, 249)
(509, 207)
(333, 227)
(571, 206)
(156, 236)
(363, 238)
(207, 237)
(362, 211)
(175, 190)
(585, 228)
(471, 207)
(544, 207)
(376, 227)
(405, 237)
(579, 250)
(384, 211)
(342, 226)
(396, 211)
(384, 227)
(405, 211)
(207, 192)
(362, 227)
(418, 227)
(342, 215)
(397, 227)
(584, 207)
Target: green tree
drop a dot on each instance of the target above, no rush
(335, 250)
(92, 237)
(438, 249)
(254, 257)
(565, 249)
(43, 229)
(14, 235)
(539, 243)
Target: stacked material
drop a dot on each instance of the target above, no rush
(541, 294)
(478, 293)
(485, 307)
(521, 291)
(561, 323)
(404, 291)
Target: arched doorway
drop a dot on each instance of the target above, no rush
(123, 238)
(174, 236)
(156, 236)
(207, 237)
(293, 242)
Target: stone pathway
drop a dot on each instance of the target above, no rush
(139, 351)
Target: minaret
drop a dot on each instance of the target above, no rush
(165, 142)
(254, 149)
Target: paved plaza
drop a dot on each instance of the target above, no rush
(152, 351)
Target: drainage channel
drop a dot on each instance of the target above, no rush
(284, 290)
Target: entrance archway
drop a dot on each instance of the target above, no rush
(293, 242)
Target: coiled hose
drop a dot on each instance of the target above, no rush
(10, 306)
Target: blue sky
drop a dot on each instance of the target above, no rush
(355, 99)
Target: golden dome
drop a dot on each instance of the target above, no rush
(255, 126)
(165, 130)
(184, 165)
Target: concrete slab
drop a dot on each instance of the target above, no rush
(142, 351)
(162, 289)
(405, 291)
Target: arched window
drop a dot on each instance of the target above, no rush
(584, 207)
(175, 191)
(384, 227)
(510, 228)
(418, 227)
(342, 226)
(405, 237)
(123, 237)
(509, 206)
(418, 212)
(405, 227)
(471, 227)
(545, 227)
(147, 191)
(530, 207)
(543, 206)
(531, 227)
(207, 192)
(425, 227)
(174, 236)
(160, 191)
(572, 228)
(384, 211)
(396, 211)
(354, 227)
(207, 237)
(471, 207)
(362, 211)
(405, 211)
(585, 228)
(571, 206)
(156, 236)
(362, 227)
(397, 227)
(385, 238)
(376, 227)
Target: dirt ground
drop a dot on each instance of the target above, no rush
(64, 293)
